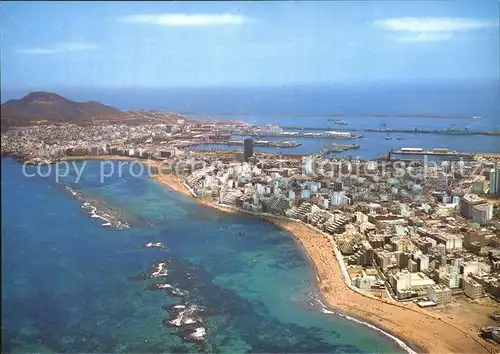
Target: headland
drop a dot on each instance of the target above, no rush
(381, 242)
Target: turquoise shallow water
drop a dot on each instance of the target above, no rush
(70, 284)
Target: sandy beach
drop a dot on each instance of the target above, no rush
(424, 330)
(173, 182)
(420, 329)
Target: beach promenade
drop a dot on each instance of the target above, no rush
(423, 330)
(420, 329)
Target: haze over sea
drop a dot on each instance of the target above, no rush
(73, 285)
(270, 105)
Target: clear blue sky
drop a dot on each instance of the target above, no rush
(115, 44)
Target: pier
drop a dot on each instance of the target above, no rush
(319, 128)
(263, 143)
(435, 152)
(298, 131)
(444, 154)
(267, 143)
(338, 148)
(332, 115)
(338, 134)
(433, 131)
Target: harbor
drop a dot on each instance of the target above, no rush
(260, 143)
(324, 135)
(433, 152)
(445, 131)
(340, 130)
(335, 148)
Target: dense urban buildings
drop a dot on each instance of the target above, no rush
(412, 232)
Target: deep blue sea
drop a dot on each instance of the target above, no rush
(70, 284)
(278, 105)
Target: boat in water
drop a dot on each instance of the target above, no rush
(388, 138)
(399, 138)
(340, 122)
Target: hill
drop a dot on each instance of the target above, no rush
(49, 107)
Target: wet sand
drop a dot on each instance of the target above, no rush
(415, 326)
(421, 329)
(173, 182)
(424, 330)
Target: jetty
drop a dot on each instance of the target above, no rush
(338, 148)
(446, 131)
(307, 132)
(333, 115)
(323, 135)
(433, 152)
(263, 143)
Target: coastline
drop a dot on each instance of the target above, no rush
(407, 326)
(420, 330)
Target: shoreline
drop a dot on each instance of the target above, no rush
(417, 330)
(174, 182)
(404, 325)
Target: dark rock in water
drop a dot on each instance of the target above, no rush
(172, 291)
(167, 324)
(184, 317)
(159, 269)
(194, 335)
(174, 308)
(177, 292)
(138, 277)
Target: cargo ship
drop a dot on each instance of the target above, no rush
(340, 122)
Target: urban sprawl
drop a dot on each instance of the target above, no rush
(418, 233)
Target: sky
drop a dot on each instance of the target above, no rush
(45, 45)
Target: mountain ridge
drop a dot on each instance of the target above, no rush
(50, 107)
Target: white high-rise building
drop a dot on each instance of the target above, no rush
(482, 213)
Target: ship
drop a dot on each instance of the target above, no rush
(399, 138)
(388, 138)
(340, 122)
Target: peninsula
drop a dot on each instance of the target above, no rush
(411, 249)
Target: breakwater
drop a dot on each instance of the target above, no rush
(322, 135)
(264, 143)
(432, 131)
(445, 131)
(320, 128)
(336, 115)
(339, 148)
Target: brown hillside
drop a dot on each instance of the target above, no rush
(45, 106)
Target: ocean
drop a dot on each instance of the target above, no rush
(236, 283)
(280, 105)
(70, 284)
